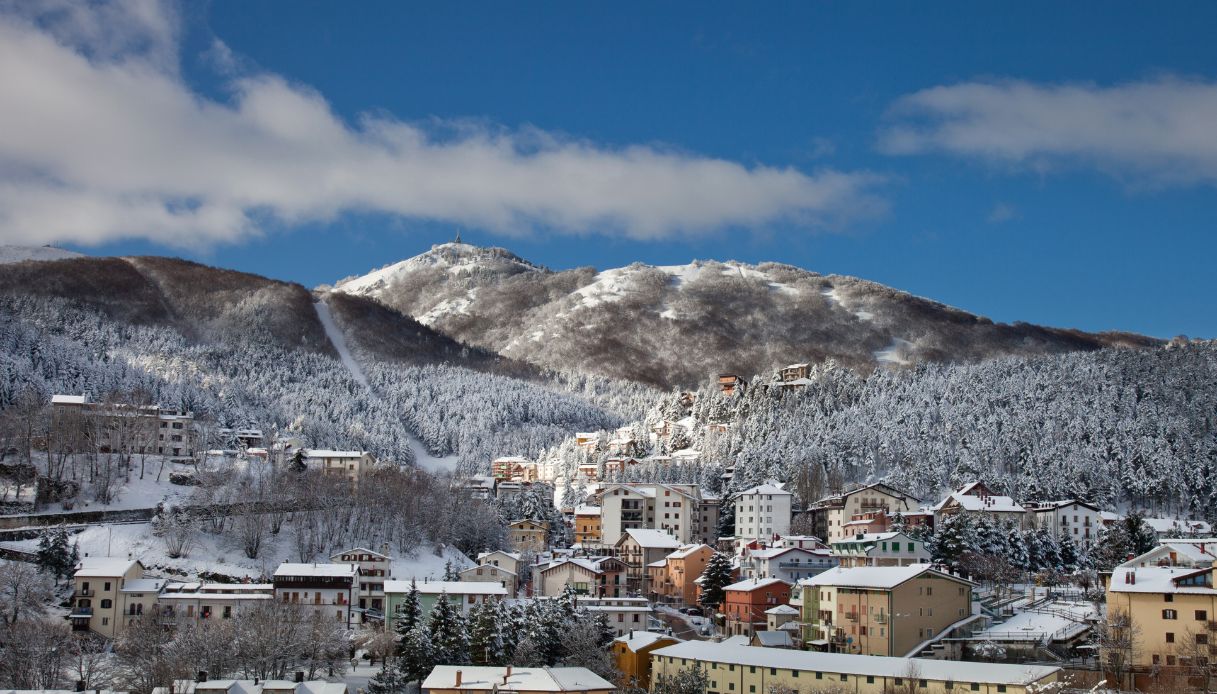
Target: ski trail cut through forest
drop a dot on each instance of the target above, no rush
(340, 342)
(422, 457)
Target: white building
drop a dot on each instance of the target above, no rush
(790, 564)
(374, 569)
(182, 603)
(1194, 553)
(327, 589)
(1077, 520)
(976, 499)
(681, 510)
(624, 614)
(762, 513)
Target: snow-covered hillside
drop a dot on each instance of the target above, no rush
(676, 325)
(17, 254)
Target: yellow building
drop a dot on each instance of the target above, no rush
(882, 610)
(632, 653)
(737, 669)
(98, 601)
(528, 535)
(1161, 618)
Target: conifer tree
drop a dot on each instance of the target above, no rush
(485, 635)
(446, 627)
(715, 577)
(417, 655)
(408, 617)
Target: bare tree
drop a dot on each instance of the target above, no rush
(34, 654)
(1118, 645)
(91, 662)
(1195, 648)
(24, 592)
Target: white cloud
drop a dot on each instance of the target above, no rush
(1157, 131)
(102, 139)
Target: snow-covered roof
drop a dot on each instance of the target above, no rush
(986, 504)
(688, 453)
(577, 561)
(474, 569)
(586, 510)
(881, 666)
(253, 687)
(69, 399)
(774, 639)
(512, 459)
(143, 585)
(319, 570)
(773, 552)
(766, 488)
(449, 587)
(1052, 505)
(635, 640)
(884, 577)
(658, 564)
(513, 555)
(781, 609)
(1165, 526)
(874, 537)
(104, 567)
(1109, 516)
(685, 551)
(527, 679)
(324, 453)
(360, 550)
(752, 584)
(1156, 579)
(648, 538)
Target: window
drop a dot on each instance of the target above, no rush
(1201, 615)
(819, 675)
(1169, 597)
(1001, 688)
(975, 687)
(1170, 637)
(106, 604)
(1170, 614)
(106, 586)
(870, 679)
(1202, 639)
(844, 677)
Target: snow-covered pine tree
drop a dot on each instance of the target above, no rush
(449, 637)
(485, 635)
(409, 616)
(714, 578)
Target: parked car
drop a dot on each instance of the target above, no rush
(692, 611)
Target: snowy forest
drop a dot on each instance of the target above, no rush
(1127, 428)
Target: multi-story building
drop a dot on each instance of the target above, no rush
(463, 595)
(832, 514)
(632, 654)
(976, 499)
(1187, 553)
(1161, 620)
(77, 424)
(348, 465)
(762, 513)
(791, 564)
(184, 603)
(882, 610)
(489, 572)
(623, 614)
(880, 549)
(580, 573)
(141, 596)
(527, 535)
(746, 602)
(640, 547)
(675, 580)
(514, 469)
(1077, 520)
(327, 589)
(737, 669)
(681, 510)
(508, 560)
(467, 679)
(97, 598)
(731, 384)
(374, 569)
(587, 526)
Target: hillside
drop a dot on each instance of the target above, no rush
(678, 325)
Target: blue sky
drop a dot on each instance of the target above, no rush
(1044, 162)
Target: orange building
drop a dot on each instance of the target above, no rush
(632, 653)
(748, 600)
(587, 526)
(675, 582)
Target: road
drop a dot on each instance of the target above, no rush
(679, 624)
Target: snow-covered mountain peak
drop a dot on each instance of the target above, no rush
(17, 254)
(457, 259)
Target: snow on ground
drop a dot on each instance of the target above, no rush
(895, 353)
(339, 341)
(1063, 621)
(447, 307)
(429, 462)
(864, 315)
(832, 295)
(16, 254)
(427, 565)
(138, 493)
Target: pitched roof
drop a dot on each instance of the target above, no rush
(752, 584)
(774, 639)
(635, 640)
(884, 577)
(686, 550)
(360, 550)
(1157, 579)
(330, 570)
(766, 488)
(325, 453)
(989, 504)
(781, 609)
(449, 587)
(648, 538)
(104, 567)
(587, 510)
(881, 666)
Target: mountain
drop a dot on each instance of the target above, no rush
(678, 325)
(17, 254)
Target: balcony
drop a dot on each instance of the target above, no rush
(851, 616)
(86, 593)
(880, 618)
(81, 612)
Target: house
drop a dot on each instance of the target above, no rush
(328, 589)
(882, 610)
(240, 438)
(681, 510)
(1176, 527)
(793, 372)
(623, 614)
(184, 603)
(616, 465)
(743, 669)
(97, 597)
(880, 549)
(675, 583)
(140, 596)
(374, 568)
(514, 469)
(772, 639)
(477, 487)
(639, 547)
(254, 686)
(580, 573)
(747, 601)
(779, 616)
(489, 572)
(348, 465)
(587, 526)
(731, 384)
(509, 560)
(791, 564)
(586, 439)
(976, 499)
(632, 654)
(624, 443)
(1186, 553)
(527, 535)
(1161, 618)
(831, 514)
(453, 679)
(762, 513)
(463, 595)
(1077, 520)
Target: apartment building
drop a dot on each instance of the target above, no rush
(762, 513)
(976, 499)
(623, 614)
(681, 510)
(327, 589)
(348, 465)
(587, 526)
(831, 515)
(461, 594)
(1163, 617)
(79, 424)
(639, 548)
(1077, 520)
(737, 669)
(882, 610)
(791, 564)
(1188, 553)
(527, 535)
(880, 549)
(374, 569)
(674, 581)
(461, 679)
(98, 601)
(184, 603)
(488, 572)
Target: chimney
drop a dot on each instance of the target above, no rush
(299, 676)
(202, 676)
(507, 674)
(458, 679)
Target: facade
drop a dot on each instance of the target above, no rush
(976, 499)
(254, 686)
(747, 602)
(623, 614)
(675, 582)
(455, 679)
(97, 597)
(374, 569)
(1166, 615)
(587, 526)
(832, 514)
(731, 384)
(78, 425)
(1077, 520)
(632, 654)
(882, 610)
(348, 465)
(737, 669)
(184, 603)
(791, 564)
(483, 573)
(327, 589)
(680, 510)
(514, 469)
(639, 548)
(881, 549)
(528, 535)
(762, 513)
(461, 594)
(579, 573)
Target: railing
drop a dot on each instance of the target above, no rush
(86, 593)
(81, 612)
(851, 616)
(881, 618)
